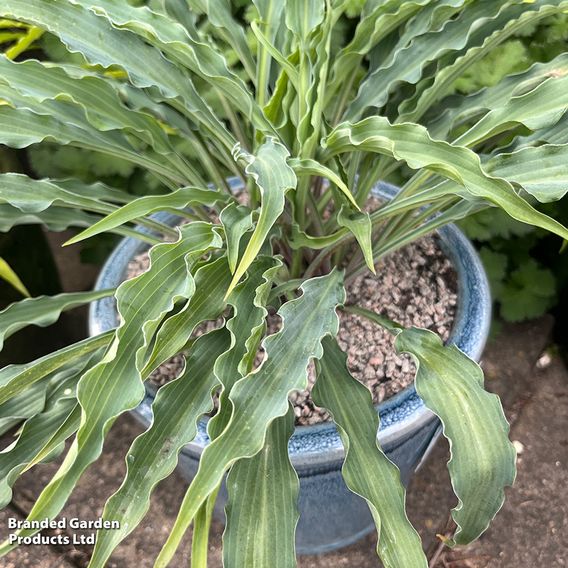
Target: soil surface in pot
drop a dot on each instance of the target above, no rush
(415, 286)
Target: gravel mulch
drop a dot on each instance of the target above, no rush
(415, 286)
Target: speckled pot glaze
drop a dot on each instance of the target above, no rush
(330, 515)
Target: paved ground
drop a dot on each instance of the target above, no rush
(530, 531)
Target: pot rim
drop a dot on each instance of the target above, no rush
(401, 414)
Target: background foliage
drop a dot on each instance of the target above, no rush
(528, 277)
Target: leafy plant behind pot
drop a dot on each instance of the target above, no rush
(522, 262)
(309, 129)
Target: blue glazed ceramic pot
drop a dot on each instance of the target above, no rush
(330, 515)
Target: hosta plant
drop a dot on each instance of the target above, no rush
(309, 126)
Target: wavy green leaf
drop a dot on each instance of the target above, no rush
(99, 99)
(42, 311)
(15, 379)
(21, 127)
(412, 144)
(237, 221)
(154, 454)
(407, 64)
(144, 206)
(482, 459)
(246, 327)
(55, 442)
(97, 96)
(430, 18)
(556, 134)
(514, 17)
(114, 385)
(197, 56)
(541, 171)
(205, 304)
(23, 406)
(177, 9)
(375, 25)
(35, 433)
(273, 177)
(540, 108)
(306, 320)
(461, 109)
(102, 44)
(270, 510)
(42, 434)
(33, 196)
(366, 470)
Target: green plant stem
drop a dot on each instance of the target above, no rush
(201, 529)
(345, 93)
(387, 323)
(24, 43)
(296, 267)
(398, 241)
(316, 218)
(233, 121)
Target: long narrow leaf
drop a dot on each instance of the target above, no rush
(273, 177)
(114, 385)
(306, 321)
(15, 379)
(270, 510)
(206, 303)
(483, 458)
(366, 470)
(100, 101)
(154, 454)
(514, 18)
(42, 311)
(408, 64)
(541, 171)
(60, 219)
(411, 143)
(198, 56)
(144, 206)
(101, 44)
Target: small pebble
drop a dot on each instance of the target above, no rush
(519, 447)
(544, 361)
